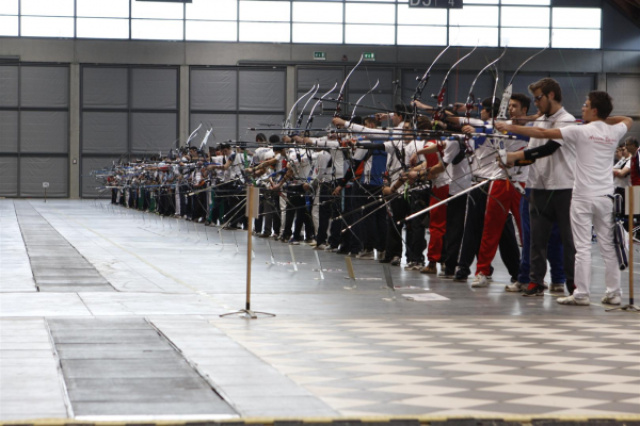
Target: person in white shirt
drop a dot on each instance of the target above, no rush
(591, 202)
(551, 181)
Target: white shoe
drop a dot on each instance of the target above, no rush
(366, 255)
(571, 300)
(557, 288)
(321, 247)
(515, 287)
(611, 299)
(409, 266)
(480, 281)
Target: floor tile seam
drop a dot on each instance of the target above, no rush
(194, 367)
(146, 262)
(257, 359)
(61, 379)
(89, 266)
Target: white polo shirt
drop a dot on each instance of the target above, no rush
(557, 170)
(595, 144)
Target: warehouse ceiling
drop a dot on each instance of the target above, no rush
(631, 8)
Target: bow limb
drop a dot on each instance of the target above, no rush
(506, 95)
(315, 89)
(353, 112)
(193, 134)
(443, 87)
(344, 85)
(319, 101)
(422, 82)
(287, 123)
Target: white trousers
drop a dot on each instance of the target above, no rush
(596, 211)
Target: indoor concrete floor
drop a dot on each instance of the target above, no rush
(110, 313)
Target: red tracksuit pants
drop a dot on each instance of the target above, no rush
(503, 198)
(437, 223)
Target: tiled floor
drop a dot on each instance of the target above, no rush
(335, 348)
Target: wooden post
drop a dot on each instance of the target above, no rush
(630, 202)
(250, 202)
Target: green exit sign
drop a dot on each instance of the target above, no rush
(369, 56)
(319, 56)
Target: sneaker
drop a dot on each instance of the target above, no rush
(460, 277)
(533, 290)
(409, 266)
(571, 300)
(395, 261)
(516, 287)
(557, 288)
(321, 247)
(385, 260)
(294, 242)
(480, 281)
(264, 235)
(445, 275)
(365, 255)
(418, 266)
(331, 249)
(611, 299)
(343, 251)
(380, 254)
(311, 242)
(431, 268)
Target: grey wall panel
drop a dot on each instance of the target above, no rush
(575, 89)
(153, 132)
(104, 132)
(8, 176)
(254, 120)
(327, 77)
(8, 86)
(224, 127)
(92, 187)
(35, 170)
(363, 79)
(44, 131)
(460, 84)
(154, 88)
(213, 89)
(625, 91)
(262, 90)
(44, 86)
(104, 87)
(8, 131)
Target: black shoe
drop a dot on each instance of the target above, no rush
(533, 290)
(343, 251)
(460, 276)
(385, 260)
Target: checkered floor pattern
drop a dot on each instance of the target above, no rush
(450, 366)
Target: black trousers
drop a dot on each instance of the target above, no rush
(545, 208)
(455, 229)
(371, 230)
(328, 211)
(400, 210)
(416, 243)
(297, 210)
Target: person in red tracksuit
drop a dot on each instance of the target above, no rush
(503, 198)
(437, 217)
